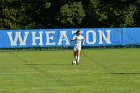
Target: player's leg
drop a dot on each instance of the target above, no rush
(75, 53)
(78, 55)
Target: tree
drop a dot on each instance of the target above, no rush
(128, 16)
(72, 14)
(113, 13)
(21, 14)
(34, 14)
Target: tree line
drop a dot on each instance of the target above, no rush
(40, 14)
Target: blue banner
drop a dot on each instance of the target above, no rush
(131, 36)
(62, 37)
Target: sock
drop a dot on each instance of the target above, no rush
(78, 58)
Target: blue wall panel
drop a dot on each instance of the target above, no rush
(62, 37)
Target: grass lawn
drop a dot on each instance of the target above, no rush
(99, 71)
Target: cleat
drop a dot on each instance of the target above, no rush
(72, 63)
(76, 63)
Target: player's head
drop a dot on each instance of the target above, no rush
(78, 32)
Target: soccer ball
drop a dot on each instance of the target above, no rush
(74, 62)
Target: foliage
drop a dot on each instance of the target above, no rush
(72, 13)
(32, 14)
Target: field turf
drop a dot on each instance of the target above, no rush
(99, 71)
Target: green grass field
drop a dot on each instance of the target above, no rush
(99, 71)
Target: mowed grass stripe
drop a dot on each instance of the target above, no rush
(38, 69)
(52, 72)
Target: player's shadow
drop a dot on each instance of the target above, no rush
(126, 73)
(46, 64)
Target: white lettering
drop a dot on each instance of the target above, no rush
(48, 37)
(18, 37)
(106, 38)
(93, 37)
(63, 36)
(34, 38)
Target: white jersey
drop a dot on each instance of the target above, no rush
(78, 40)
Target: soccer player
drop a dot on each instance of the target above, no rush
(78, 43)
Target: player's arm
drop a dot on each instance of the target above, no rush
(73, 39)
